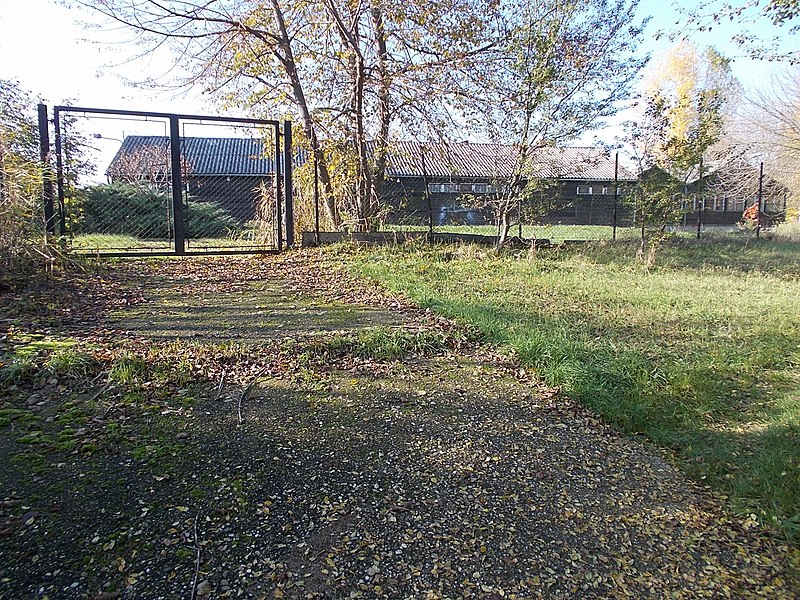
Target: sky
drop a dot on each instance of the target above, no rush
(44, 46)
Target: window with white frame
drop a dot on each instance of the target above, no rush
(460, 188)
(584, 190)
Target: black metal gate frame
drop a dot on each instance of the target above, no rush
(283, 189)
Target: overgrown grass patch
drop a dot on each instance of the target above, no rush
(42, 358)
(699, 352)
(384, 343)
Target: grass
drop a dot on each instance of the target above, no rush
(43, 358)
(385, 343)
(99, 242)
(700, 352)
(788, 232)
(561, 233)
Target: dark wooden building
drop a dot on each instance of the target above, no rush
(726, 190)
(234, 173)
(445, 182)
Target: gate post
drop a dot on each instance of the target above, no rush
(288, 190)
(47, 172)
(177, 184)
(278, 186)
(62, 209)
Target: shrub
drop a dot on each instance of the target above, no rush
(27, 253)
(145, 212)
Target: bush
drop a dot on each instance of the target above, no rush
(208, 219)
(24, 248)
(144, 212)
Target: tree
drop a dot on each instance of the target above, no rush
(353, 71)
(772, 120)
(684, 110)
(346, 70)
(706, 16)
(765, 129)
(689, 92)
(562, 68)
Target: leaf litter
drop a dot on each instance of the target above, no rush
(434, 469)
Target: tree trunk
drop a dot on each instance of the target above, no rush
(384, 108)
(290, 67)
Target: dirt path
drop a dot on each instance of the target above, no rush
(227, 299)
(377, 453)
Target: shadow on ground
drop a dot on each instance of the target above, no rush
(198, 471)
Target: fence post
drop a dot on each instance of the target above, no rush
(177, 185)
(701, 198)
(47, 172)
(288, 190)
(427, 193)
(278, 187)
(760, 198)
(700, 207)
(316, 199)
(62, 217)
(616, 193)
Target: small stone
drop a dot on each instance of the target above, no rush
(183, 435)
(203, 588)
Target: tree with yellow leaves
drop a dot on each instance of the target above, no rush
(687, 94)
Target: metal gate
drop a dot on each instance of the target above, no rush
(133, 182)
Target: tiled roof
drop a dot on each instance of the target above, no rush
(202, 155)
(489, 161)
(245, 156)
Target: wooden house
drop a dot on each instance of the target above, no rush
(445, 182)
(230, 172)
(422, 179)
(727, 189)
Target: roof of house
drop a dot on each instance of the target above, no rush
(202, 156)
(470, 160)
(251, 157)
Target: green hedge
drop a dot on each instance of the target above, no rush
(144, 212)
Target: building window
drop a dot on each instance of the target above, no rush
(584, 190)
(460, 188)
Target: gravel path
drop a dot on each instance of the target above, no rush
(444, 473)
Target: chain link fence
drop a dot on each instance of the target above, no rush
(582, 211)
(132, 182)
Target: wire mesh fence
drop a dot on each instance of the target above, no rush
(134, 182)
(595, 215)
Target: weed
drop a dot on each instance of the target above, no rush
(30, 461)
(184, 554)
(33, 437)
(384, 343)
(73, 415)
(69, 362)
(44, 358)
(128, 369)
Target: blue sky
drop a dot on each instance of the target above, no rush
(44, 47)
